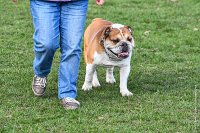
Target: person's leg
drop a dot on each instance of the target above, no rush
(46, 21)
(73, 16)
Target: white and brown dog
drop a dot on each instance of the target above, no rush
(107, 44)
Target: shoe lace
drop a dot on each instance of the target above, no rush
(40, 81)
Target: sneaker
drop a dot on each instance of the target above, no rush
(39, 85)
(70, 103)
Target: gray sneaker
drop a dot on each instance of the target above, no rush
(70, 103)
(39, 85)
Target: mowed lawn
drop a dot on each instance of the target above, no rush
(165, 73)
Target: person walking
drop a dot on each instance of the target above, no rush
(58, 24)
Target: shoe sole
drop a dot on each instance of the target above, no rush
(70, 108)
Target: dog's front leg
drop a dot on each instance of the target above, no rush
(124, 73)
(90, 69)
(109, 75)
(95, 81)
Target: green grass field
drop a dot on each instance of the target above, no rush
(164, 76)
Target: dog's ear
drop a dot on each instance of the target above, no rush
(107, 31)
(105, 34)
(129, 29)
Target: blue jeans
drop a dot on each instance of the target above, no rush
(59, 24)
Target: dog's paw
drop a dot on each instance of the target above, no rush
(87, 87)
(110, 80)
(126, 93)
(95, 83)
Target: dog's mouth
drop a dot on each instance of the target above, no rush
(121, 52)
(123, 55)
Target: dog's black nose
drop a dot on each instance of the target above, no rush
(124, 47)
(124, 44)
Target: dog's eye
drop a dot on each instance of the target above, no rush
(129, 39)
(115, 41)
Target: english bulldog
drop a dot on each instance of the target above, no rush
(107, 44)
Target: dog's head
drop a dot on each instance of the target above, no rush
(118, 41)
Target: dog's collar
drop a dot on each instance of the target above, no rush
(108, 52)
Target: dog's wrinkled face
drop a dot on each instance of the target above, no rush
(118, 41)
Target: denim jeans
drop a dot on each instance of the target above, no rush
(59, 24)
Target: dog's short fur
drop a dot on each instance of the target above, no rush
(107, 44)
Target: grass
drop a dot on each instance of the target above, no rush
(164, 76)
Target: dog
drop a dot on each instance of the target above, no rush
(110, 45)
